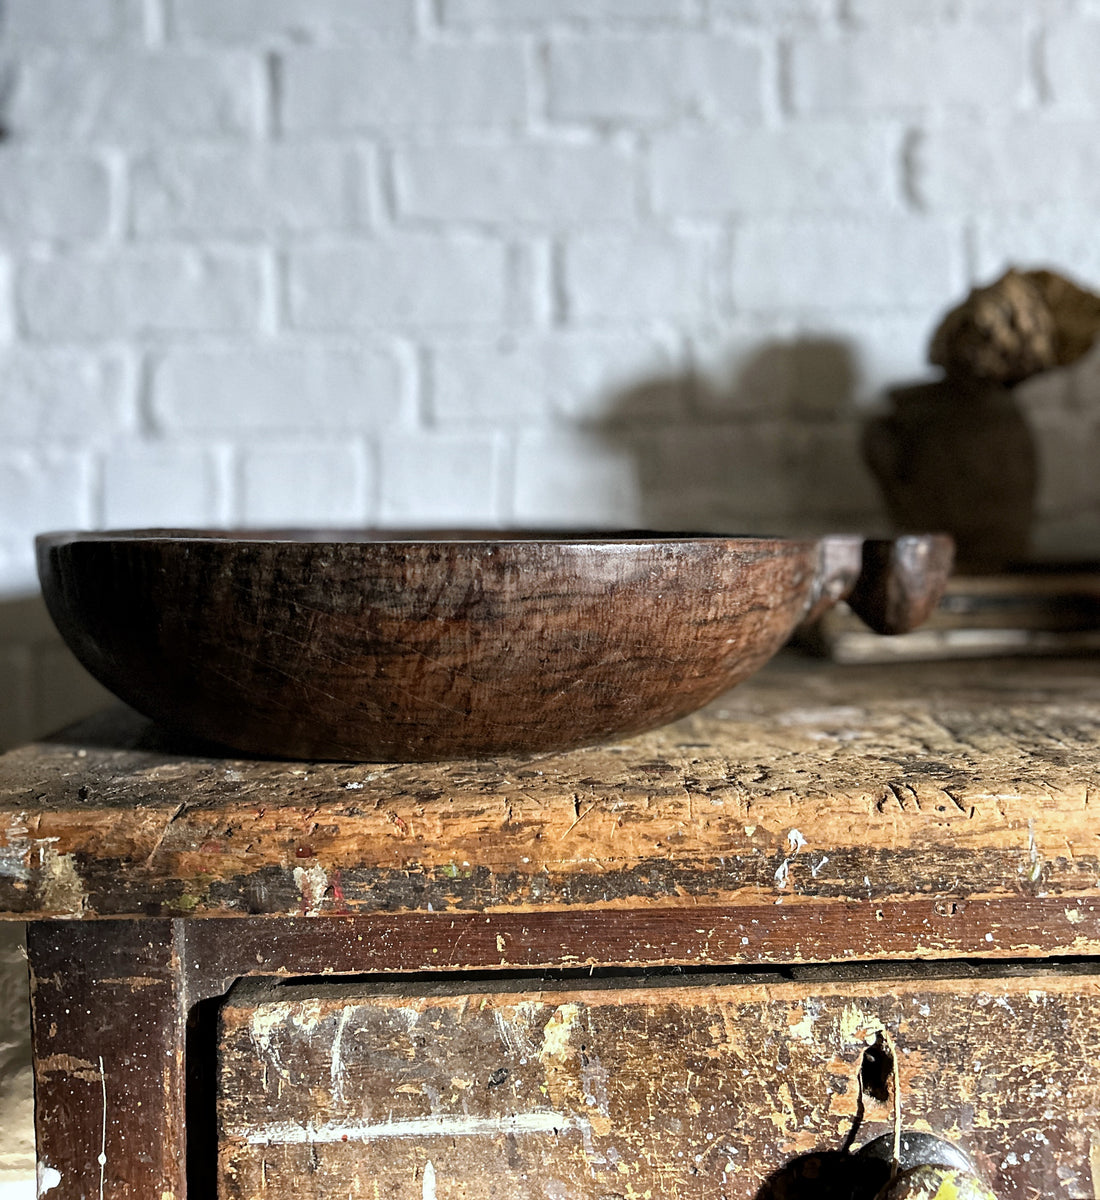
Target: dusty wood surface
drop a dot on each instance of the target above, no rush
(825, 797)
(701, 1090)
(108, 1030)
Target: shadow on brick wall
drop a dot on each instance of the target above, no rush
(44, 686)
(771, 448)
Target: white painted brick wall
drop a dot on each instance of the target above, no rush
(296, 482)
(253, 22)
(878, 71)
(405, 86)
(635, 79)
(491, 261)
(137, 98)
(50, 396)
(278, 389)
(137, 291)
(1071, 51)
(54, 196)
(474, 15)
(897, 262)
(50, 22)
(7, 301)
(430, 478)
(639, 275)
(1022, 164)
(150, 485)
(491, 183)
(196, 192)
(815, 167)
(540, 378)
(399, 282)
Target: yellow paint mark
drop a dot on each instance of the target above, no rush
(858, 1026)
(556, 1031)
(802, 1026)
(1074, 916)
(500, 944)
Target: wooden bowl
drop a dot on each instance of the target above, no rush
(420, 646)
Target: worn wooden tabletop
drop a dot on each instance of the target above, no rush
(841, 793)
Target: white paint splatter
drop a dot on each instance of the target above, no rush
(1035, 872)
(815, 869)
(429, 1181)
(48, 1177)
(13, 860)
(337, 1067)
(286, 1133)
(312, 883)
(267, 1018)
(594, 1078)
(103, 1137)
(795, 842)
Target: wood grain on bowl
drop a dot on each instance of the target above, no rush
(432, 646)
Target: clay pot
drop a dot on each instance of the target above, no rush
(958, 456)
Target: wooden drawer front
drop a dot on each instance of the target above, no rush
(684, 1089)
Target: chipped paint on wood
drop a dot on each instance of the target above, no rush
(683, 1089)
(312, 884)
(61, 890)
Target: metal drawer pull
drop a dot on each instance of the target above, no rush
(928, 1168)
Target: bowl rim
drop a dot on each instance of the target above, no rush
(367, 536)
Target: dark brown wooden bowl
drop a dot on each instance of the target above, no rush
(419, 646)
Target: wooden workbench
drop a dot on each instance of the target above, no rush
(817, 815)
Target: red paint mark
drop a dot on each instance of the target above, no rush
(339, 902)
(211, 847)
(396, 820)
(304, 852)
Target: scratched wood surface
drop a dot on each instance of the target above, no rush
(702, 1090)
(827, 790)
(108, 1030)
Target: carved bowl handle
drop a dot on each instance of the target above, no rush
(892, 584)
